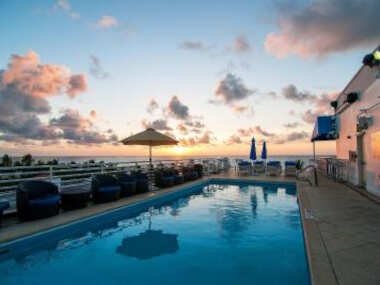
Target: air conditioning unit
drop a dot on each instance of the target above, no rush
(364, 122)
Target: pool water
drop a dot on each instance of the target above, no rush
(220, 234)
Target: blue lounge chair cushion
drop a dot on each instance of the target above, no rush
(3, 206)
(258, 162)
(274, 163)
(290, 163)
(242, 163)
(45, 201)
(109, 189)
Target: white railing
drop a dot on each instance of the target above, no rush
(337, 169)
(69, 174)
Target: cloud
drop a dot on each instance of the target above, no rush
(96, 68)
(291, 93)
(26, 75)
(193, 45)
(205, 138)
(107, 22)
(254, 131)
(321, 107)
(195, 124)
(76, 129)
(309, 116)
(234, 139)
(230, 90)
(25, 87)
(77, 84)
(241, 45)
(152, 106)
(292, 125)
(65, 6)
(260, 131)
(323, 27)
(182, 129)
(159, 124)
(290, 137)
(320, 103)
(177, 109)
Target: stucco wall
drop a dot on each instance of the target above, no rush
(369, 95)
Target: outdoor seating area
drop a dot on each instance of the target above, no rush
(270, 168)
(36, 199)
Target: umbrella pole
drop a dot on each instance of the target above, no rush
(150, 169)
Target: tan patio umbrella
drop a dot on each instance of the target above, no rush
(151, 138)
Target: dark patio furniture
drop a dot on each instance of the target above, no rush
(127, 183)
(164, 178)
(75, 197)
(142, 181)
(105, 188)
(3, 206)
(37, 199)
(189, 173)
(199, 169)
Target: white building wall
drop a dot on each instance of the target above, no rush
(366, 84)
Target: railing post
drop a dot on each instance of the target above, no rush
(101, 168)
(51, 172)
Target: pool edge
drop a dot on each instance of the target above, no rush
(320, 268)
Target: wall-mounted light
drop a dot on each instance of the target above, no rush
(372, 59)
(352, 97)
(334, 104)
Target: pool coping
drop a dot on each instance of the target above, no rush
(320, 266)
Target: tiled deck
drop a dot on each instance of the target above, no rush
(341, 228)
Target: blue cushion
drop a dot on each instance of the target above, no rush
(4, 205)
(274, 163)
(45, 201)
(244, 163)
(290, 163)
(259, 162)
(109, 189)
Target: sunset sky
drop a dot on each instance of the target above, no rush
(78, 76)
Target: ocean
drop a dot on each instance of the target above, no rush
(79, 159)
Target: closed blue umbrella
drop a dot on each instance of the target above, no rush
(252, 154)
(264, 151)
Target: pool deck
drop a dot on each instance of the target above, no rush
(341, 228)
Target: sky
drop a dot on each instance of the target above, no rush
(76, 77)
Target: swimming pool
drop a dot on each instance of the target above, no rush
(222, 232)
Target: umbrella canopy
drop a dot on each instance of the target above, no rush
(264, 154)
(252, 154)
(149, 137)
(149, 244)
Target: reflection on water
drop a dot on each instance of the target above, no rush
(149, 244)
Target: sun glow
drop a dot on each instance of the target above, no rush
(179, 149)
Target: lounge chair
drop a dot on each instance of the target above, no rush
(142, 181)
(274, 168)
(178, 177)
(127, 183)
(290, 168)
(37, 199)
(212, 168)
(258, 167)
(164, 177)
(189, 173)
(244, 168)
(105, 188)
(3, 206)
(199, 169)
